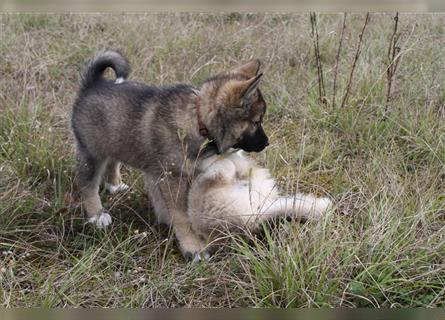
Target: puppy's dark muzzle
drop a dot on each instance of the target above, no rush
(255, 142)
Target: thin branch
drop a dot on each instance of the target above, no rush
(393, 60)
(337, 59)
(321, 87)
(357, 55)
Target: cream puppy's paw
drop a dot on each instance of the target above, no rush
(114, 188)
(101, 220)
(321, 207)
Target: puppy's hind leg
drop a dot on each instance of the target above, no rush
(163, 215)
(90, 171)
(113, 180)
(308, 207)
(305, 207)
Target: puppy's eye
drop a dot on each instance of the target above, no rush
(257, 123)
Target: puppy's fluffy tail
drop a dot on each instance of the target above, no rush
(105, 59)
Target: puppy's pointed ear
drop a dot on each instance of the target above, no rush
(250, 86)
(250, 69)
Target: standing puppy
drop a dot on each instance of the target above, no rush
(163, 132)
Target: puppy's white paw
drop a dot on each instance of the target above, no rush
(321, 206)
(201, 256)
(101, 220)
(114, 188)
(119, 80)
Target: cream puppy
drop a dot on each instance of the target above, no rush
(232, 193)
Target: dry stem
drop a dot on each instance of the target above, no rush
(393, 60)
(337, 59)
(321, 87)
(354, 63)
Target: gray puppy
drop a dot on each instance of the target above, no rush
(163, 131)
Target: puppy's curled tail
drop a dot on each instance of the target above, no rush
(105, 59)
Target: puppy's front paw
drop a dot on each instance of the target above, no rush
(114, 188)
(101, 220)
(193, 249)
(197, 256)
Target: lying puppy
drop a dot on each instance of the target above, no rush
(233, 194)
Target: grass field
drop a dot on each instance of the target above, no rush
(381, 162)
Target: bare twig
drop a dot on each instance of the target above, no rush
(337, 59)
(393, 60)
(354, 63)
(321, 87)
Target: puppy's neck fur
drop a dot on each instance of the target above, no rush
(206, 106)
(203, 131)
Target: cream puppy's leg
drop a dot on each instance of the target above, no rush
(307, 207)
